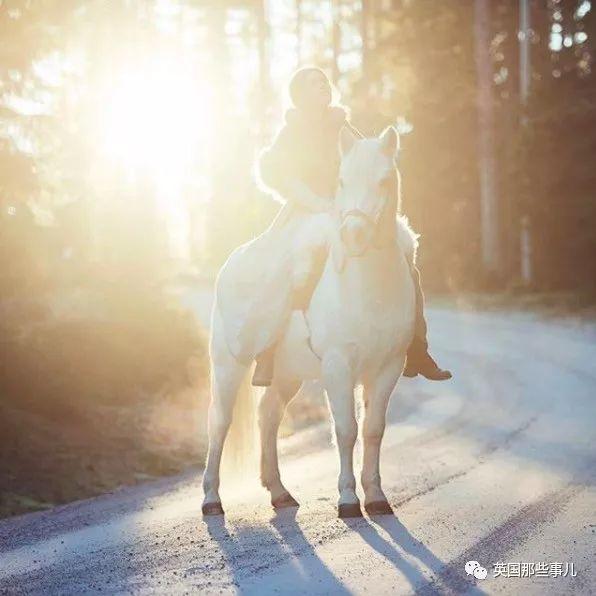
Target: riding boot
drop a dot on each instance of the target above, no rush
(263, 374)
(418, 360)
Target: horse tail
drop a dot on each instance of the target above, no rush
(231, 385)
(240, 451)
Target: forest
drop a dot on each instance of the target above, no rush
(129, 132)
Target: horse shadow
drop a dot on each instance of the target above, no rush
(284, 549)
(282, 544)
(442, 579)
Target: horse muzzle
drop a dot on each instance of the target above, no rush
(356, 234)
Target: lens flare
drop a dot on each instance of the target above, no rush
(156, 118)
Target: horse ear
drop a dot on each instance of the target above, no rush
(390, 141)
(346, 140)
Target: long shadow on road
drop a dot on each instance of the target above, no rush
(401, 542)
(252, 551)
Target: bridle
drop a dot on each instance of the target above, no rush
(369, 220)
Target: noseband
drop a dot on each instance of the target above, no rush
(357, 213)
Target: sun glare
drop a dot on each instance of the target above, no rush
(156, 127)
(157, 119)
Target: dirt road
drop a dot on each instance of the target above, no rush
(496, 466)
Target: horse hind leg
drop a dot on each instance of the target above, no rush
(227, 375)
(271, 410)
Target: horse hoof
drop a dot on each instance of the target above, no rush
(285, 500)
(378, 508)
(349, 510)
(212, 509)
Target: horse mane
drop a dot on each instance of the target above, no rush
(407, 239)
(395, 227)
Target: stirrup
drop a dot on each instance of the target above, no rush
(260, 381)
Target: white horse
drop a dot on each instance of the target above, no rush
(356, 330)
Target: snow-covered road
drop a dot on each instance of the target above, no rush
(497, 465)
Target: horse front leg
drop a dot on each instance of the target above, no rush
(337, 377)
(377, 392)
(271, 410)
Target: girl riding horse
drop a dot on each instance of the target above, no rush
(301, 166)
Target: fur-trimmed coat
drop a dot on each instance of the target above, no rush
(257, 306)
(307, 150)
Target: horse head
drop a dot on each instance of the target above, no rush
(367, 195)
